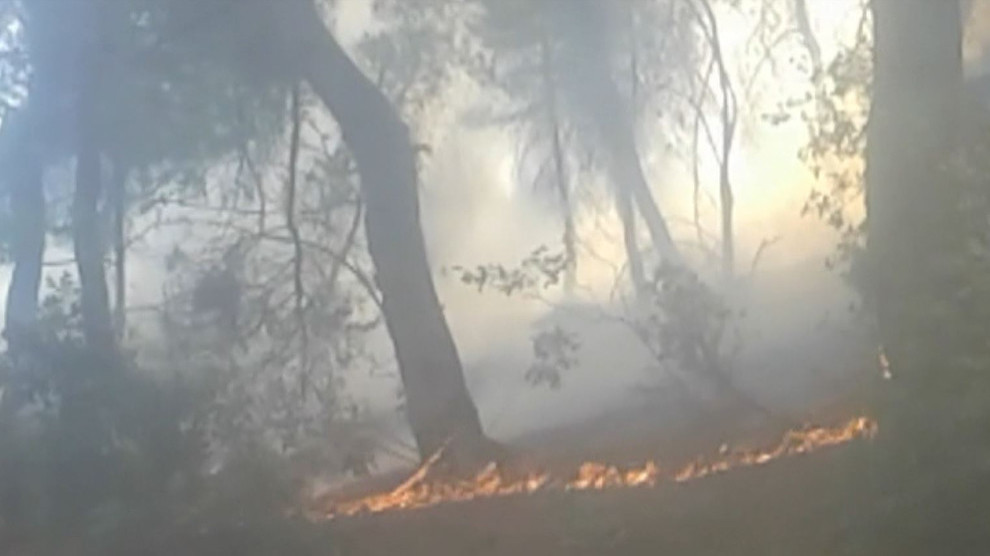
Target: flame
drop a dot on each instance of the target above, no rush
(420, 492)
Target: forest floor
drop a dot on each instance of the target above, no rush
(794, 506)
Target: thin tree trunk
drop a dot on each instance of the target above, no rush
(634, 259)
(623, 201)
(89, 250)
(291, 190)
(561, 180)
(97, 321)
(728, 109)
(23, 176)
(438, 404)
(808, 36)
(119, 202)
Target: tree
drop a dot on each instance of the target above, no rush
(912, 133)
(23, 172)
(915, 242)
(587, 46)
(925, 176)
(561, 175)
(27, 138)
(439, 407)
(89, 188)
(559, 63)
(160, 81)
(728, 118)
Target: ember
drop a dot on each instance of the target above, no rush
(421, 492)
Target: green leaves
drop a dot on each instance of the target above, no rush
(554, 352)
(540, 270)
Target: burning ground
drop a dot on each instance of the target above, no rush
(636, 481)
(792, 495)
(422, 491)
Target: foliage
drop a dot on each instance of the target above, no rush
(687, 328)
(554, 353)
(540, 270)
(199, 104)
(82, 437)
(279, 355)
(834, 111)
(120, 459)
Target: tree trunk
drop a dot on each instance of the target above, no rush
(917, 255)
(23, 172)
(593, 89)
(119, 201)
(87, 242)
(438, 404)
(912, 205)
(729, 117)
(634, 259)
(628, 173)
(561, 176)
(97, 321)
(804, 27)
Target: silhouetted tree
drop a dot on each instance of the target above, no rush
(439, 407)
(925, 172)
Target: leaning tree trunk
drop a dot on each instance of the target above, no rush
(23, 171)
(627, 173)
(593, 90)
(438, 404)
(634, 259)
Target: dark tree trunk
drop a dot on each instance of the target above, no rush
(97, 321)
(87, 241)
(912, 205)
(23, 171)
(918, 259)
(32, 137)
(438, 403)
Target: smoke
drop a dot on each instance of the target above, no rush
(799, 338)
(796, 337)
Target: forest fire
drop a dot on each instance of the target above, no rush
(419, 491)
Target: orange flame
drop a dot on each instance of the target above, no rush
(420, 492)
